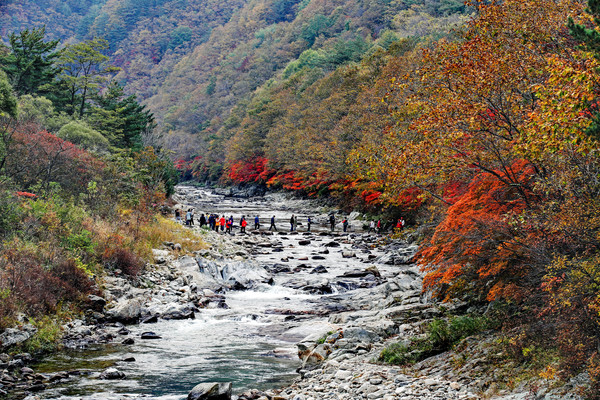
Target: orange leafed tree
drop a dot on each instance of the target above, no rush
(477, 248)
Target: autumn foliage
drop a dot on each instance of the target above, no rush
(497, 131)
(477, 243)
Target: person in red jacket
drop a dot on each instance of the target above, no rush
(243, 224)
(222, 223)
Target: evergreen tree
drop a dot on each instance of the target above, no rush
(30, 62)
(121, 118)
(83, 70)
(588, 35)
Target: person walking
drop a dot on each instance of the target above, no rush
(177, 215)
(188, 217)
(192, 217)
(308, 224)
(345, 224)
(222, 223)
(372, 226)
(292, 220)
(243, 224)
(202, 220)
(256, 223)
(332, 222)
(379, 225)
(273, 227)
(228, 225)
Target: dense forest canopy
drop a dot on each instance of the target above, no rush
(200, 66)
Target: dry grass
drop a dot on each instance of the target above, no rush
(152, 235)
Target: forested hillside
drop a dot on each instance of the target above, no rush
(81, 181)
(204, 67)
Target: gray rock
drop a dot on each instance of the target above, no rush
(319, 270)
(112, 374)
(211, 391)
(150, 336)
(97, 302)
(12, 336)
(126, 311)
(360, 335)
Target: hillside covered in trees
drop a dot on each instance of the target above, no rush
(479, 123)
(206, 68)
(81, 181)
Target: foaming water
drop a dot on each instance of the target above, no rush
(220, 345)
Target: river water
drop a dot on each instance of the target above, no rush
(252, 343)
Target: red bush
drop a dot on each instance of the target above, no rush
(124, 260)
(248, 171)
(36, 289)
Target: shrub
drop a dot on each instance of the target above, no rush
(397, 354)
(441, 335)
(48, 335)
(75, 281)
(125, 260)
(7, 304)
(36, 286)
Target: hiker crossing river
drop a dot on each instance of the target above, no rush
(234, 311)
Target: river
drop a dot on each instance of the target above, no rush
(252, 343)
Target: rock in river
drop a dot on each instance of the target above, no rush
(211, 391)
(126, 311)
(112, 374)
(150, 335)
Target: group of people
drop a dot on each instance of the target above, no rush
(221, 223)
(226, 224)
(378, 227)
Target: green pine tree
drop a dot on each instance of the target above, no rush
(29, 63)
(121, 118)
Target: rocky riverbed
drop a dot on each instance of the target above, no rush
(282, 315)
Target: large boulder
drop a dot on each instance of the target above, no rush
(245, 275)
(126, 311)
(211, 391)
(176, 311)
(96, 302)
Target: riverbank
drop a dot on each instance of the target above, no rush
(254, 308)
